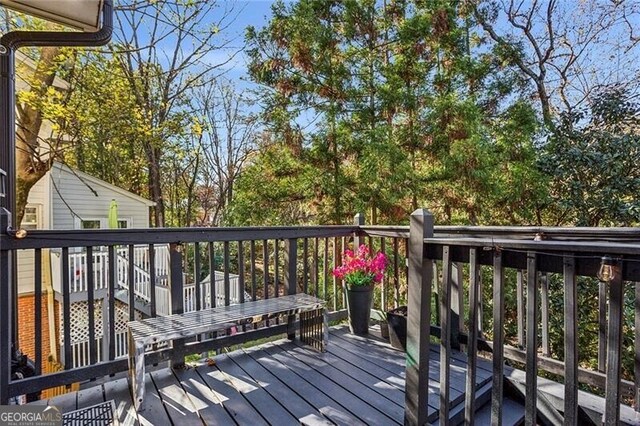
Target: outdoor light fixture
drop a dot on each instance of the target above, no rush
(80, 14)
(606, 273)
(17, 233)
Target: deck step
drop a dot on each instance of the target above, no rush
(512, 413)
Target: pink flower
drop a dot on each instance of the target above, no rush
(360, 268)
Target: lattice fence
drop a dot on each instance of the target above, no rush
(79, 321)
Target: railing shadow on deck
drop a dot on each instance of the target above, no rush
(475, 288)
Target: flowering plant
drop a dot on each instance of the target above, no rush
(361, 268)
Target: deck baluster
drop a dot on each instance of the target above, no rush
(227, 285)
(457, 304)
(520, 306)
(37, 277)
(497, 391)
(570, 342)
(396, 271)
(131, 282)
(305, 265)
(315, 277)
(475, 300)
(212, 276)
(636, 343)
(113, 272)
(176, 282)
(196, 274)
(91, 308)
(532, 341)
(152, 279)
(602, 326)
(254, 280)
(446, 331)
(336, 262)
(241, 270)
(265, 269)
(384, 290)
(66, 310)
(544, 311)
(276, 267)
(325, 269)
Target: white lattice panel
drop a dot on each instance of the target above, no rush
(122, 316)
(79, 321)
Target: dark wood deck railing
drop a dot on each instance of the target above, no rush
(267, 260)
(568, 254)
(441, 273)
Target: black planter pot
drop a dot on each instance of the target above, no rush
(359, 308)
(397, 320)
(384, 330)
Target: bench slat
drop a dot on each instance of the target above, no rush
(154, 330)
(314, 329)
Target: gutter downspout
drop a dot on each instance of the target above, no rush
(9, 43)
(51, 313)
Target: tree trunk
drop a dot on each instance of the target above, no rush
(29, 166)
(154, 185)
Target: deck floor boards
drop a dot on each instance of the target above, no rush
(205, 400)
(324, 404)
(358, 381)
(358, 407)
(291, 401)
(233, 401)
(90, 396)
(118, 391)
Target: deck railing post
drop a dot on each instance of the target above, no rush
(418, 320)
(6, 306)
(358, 220)
(176, 283)
(291, 277)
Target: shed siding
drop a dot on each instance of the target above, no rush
(78, 200)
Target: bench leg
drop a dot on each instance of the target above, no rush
(314, 329)
(136, 371)
(291, 334)
(325, 330)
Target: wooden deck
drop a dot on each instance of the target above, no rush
(358, 381)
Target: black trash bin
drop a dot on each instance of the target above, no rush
(21, 368)
(397, 320)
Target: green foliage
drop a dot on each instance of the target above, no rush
(107, 122)
(592, 161)
(405, 114)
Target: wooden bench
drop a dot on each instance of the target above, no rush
(310, 310)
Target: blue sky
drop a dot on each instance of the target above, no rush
(250, 12)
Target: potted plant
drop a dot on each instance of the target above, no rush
(360, 271)
(380, 317)
(397, 324)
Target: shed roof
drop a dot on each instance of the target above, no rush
(95, 181)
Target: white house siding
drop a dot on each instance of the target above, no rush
(72, 200)
(37, 197)
(25, 272)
